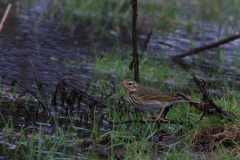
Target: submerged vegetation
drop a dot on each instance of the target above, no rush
(91, 120)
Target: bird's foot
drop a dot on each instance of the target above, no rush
(160, 119)
(149, 115)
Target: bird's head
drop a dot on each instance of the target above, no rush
(129, 85)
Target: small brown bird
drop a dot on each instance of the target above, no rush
(149, 99)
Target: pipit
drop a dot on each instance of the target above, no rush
(150, 99)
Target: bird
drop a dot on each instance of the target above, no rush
(150, 99)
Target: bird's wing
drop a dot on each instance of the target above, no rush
(158, 95)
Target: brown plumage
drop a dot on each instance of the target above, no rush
(149, 99)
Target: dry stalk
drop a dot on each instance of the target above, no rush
(5, 16)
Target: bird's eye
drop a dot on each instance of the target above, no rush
(129, 84)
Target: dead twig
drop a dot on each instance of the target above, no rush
(40, 86)
(135, 61)
(177, 57)
(12, 135)
(146, 41)
(5, 16)
(86, 96)
(207, 99)
(27, 90)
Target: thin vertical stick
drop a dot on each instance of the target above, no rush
(146, 41)
(135, 62)
(5, 16)
(40, 87)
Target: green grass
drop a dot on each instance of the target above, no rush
(75, 63)
(136, 142)
(37, 144)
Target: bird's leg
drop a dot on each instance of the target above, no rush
(159, 117)
(149, 115)
(166, 111)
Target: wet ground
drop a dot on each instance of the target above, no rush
(49, 46)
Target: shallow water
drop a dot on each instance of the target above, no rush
(49, 47)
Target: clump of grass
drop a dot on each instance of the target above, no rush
(74, 63)
(209, 138)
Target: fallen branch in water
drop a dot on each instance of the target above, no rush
(177, 57)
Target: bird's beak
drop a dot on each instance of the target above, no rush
(121, 83)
